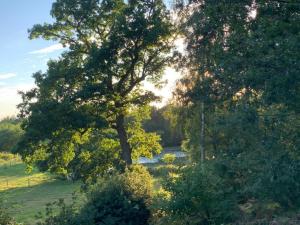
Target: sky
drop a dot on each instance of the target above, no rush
(21, 57)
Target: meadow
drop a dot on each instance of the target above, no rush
(26, 194)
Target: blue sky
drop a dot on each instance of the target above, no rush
(16, 17)
(21, 57)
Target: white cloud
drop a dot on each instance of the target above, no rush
(7, 76)
(9, 98)
(49, 49)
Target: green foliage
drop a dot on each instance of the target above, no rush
(235, 52)
(10, 134)
(142, 143)
(118, 199)
(241, 63)
(122, 199)
(163, 171)
(255, 154)
(6, 157)
(113, 47)
(168, 158)
(200, 196)
(100, 153)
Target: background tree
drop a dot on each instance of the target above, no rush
(163, 122)
(241, 61)
(10, 134)
(114, 46)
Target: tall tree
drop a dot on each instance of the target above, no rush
(114, 46)
(241, 52)
(242, 62)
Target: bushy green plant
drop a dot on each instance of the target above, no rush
(121, 199)
(163, 171)
(168, 158)
(199, 196)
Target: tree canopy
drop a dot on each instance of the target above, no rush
(113, 47)
(241, 62)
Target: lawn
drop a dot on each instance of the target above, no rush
(28, 193)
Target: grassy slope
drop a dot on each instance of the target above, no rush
(25, 198)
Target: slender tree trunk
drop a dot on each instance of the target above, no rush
(125, 147)
(202, 150)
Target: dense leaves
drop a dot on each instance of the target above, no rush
(200, 197)
(241, 62)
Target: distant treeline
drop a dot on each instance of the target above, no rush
(10, 133)
(162, 122)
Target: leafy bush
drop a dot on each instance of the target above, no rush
(163, 171)
(199, 196)
(279, 182)
(121, 199)
(168, 158)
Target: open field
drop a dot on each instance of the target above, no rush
(27, 194)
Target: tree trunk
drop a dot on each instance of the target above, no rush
(202, 139)
(122, 134)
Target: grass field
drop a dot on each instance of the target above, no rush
(27, 194)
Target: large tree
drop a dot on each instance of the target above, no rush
(242, 62)
(113, 47)
(247, 47)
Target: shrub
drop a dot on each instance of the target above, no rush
(163, 171)
(121, 199)
(168, 158)
(199, 196)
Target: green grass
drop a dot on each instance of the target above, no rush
(161, 171)
(27, 194)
